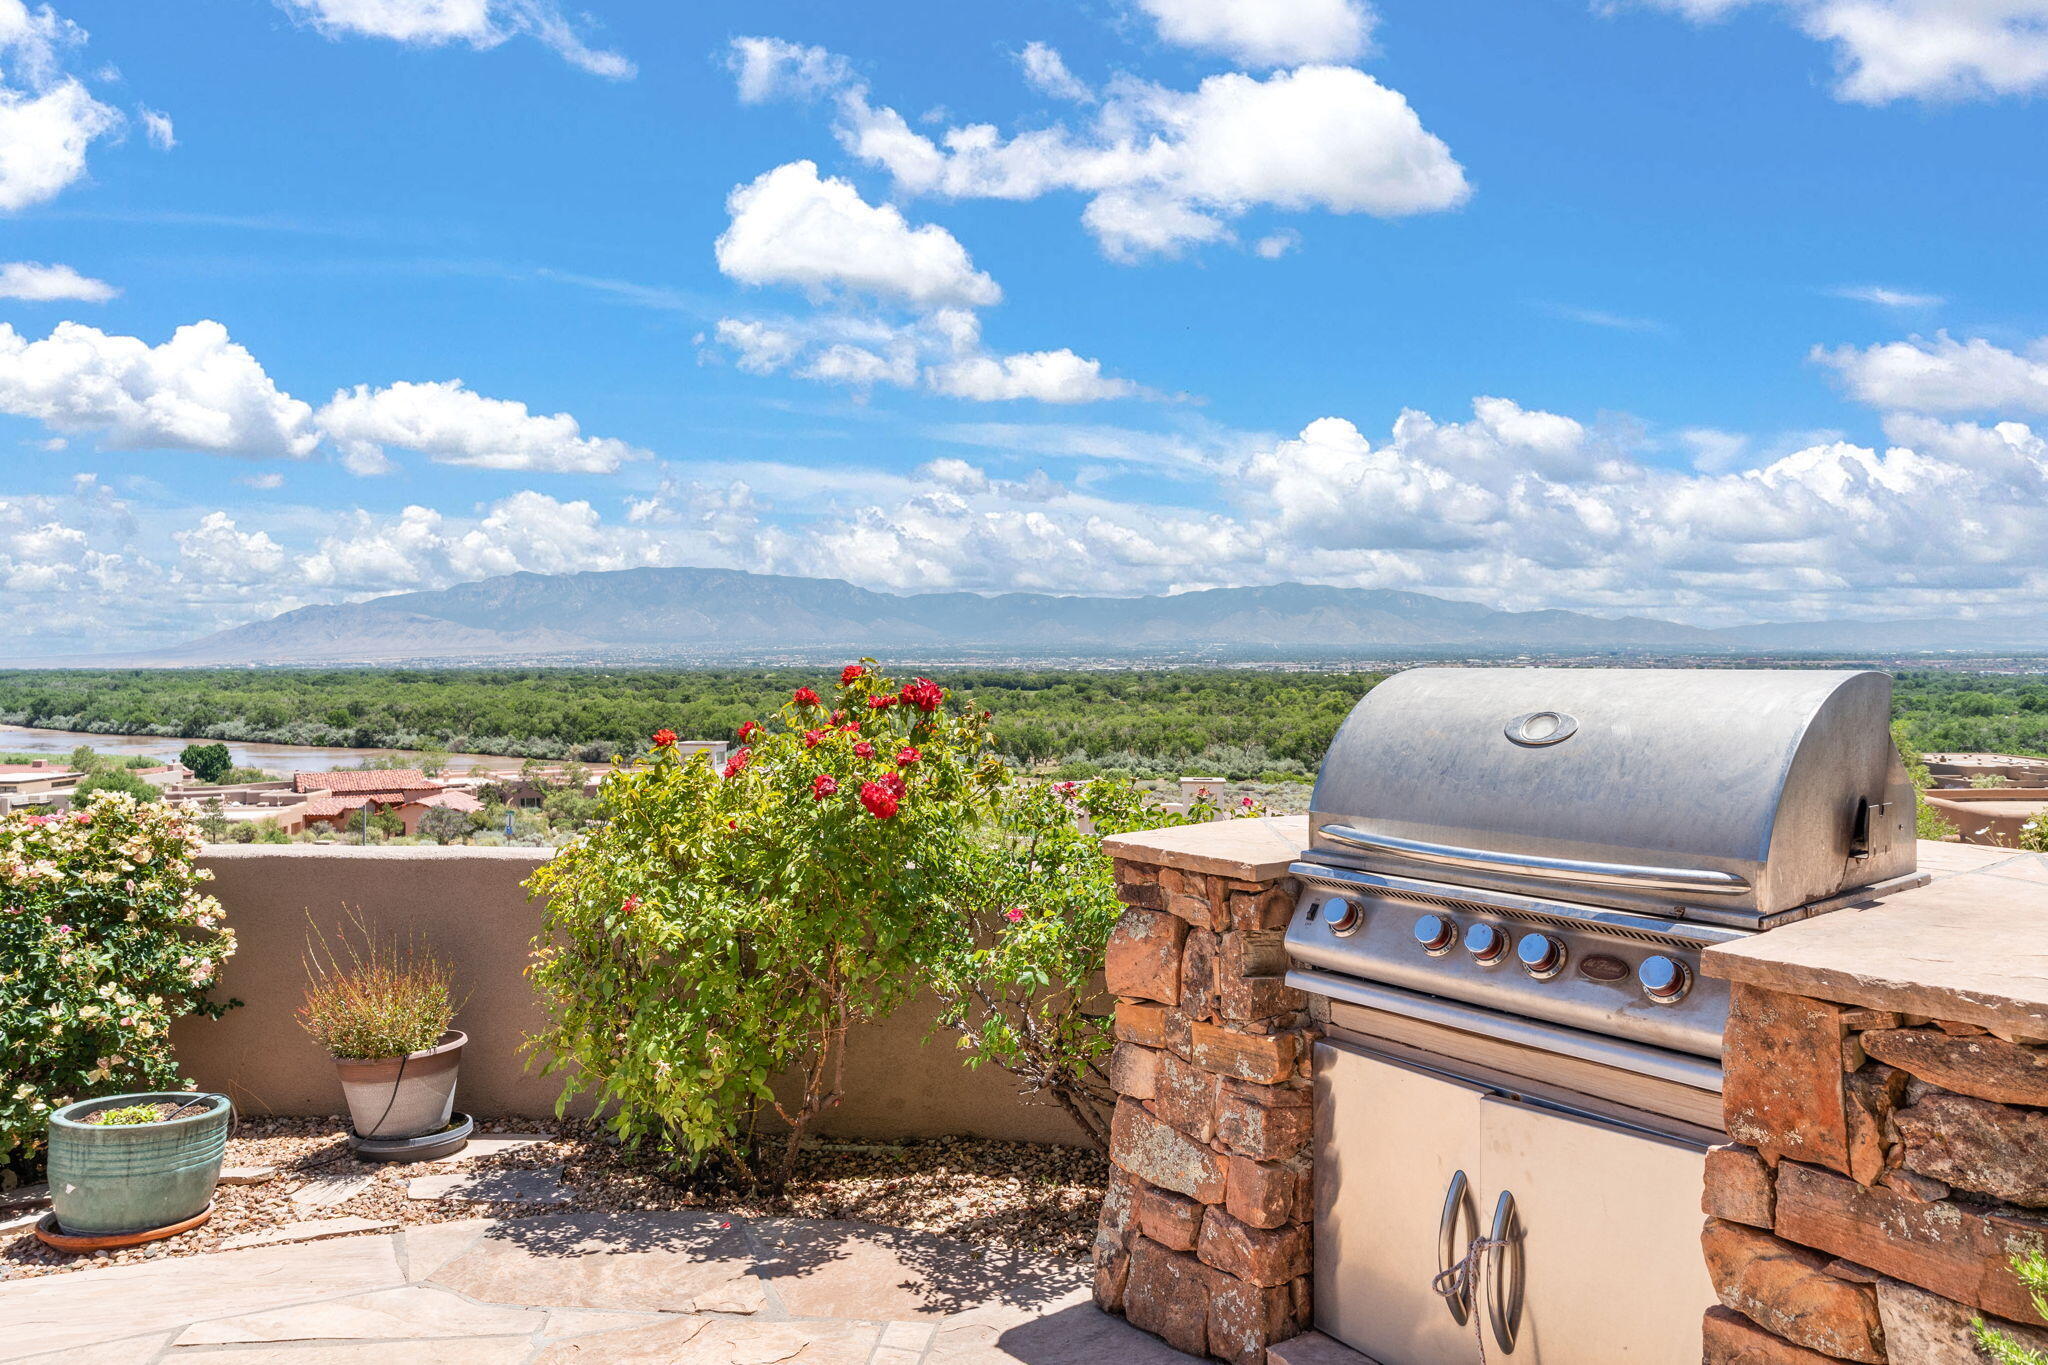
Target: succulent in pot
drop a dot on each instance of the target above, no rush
(122, 1165)
(382, 1007)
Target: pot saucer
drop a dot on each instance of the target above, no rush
(51, 1235)
(444, 1142)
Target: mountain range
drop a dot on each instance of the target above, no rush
(644, 615)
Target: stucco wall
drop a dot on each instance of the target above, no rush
(468, 903)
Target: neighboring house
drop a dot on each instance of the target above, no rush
(168, 775)
(39, 782)
(1990, 815)
(389, 785)
(412, 812)
(1956, 770)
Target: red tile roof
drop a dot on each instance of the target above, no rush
(324, 805)
(373, 780)
(448, 800)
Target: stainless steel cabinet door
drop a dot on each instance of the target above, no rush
(1390, 1142)
(1607, 1265)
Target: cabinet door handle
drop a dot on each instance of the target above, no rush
(1455, 1286)
(1504, 1252)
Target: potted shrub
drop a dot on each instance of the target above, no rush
(127, 1168)
(383, 1008)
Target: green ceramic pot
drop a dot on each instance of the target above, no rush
(135, 1177)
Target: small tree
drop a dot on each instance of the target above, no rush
(724, 928)
(208, 762)
(2032, 1269)
(116, 780)
(445, 826)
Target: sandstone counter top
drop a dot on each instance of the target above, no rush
(1971, 946)
(1254, 850)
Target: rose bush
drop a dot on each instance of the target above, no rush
(105, 937)
(720, 930)
(1031, 903)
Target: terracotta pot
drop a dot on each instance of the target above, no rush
(402, 1097)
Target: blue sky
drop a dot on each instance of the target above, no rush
(1719, 310)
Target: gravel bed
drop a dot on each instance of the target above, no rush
(1017, 1195)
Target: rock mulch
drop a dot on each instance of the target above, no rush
(997, 1194)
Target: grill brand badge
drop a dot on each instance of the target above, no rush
(1540, 728)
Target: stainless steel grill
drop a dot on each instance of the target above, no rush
(1511, 876)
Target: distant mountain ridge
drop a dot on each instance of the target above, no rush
(644, 614)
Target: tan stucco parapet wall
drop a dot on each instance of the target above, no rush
(468, 903)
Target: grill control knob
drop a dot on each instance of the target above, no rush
(1487, 944)
(1436, 933)
(1664, 979)
(1342, 916)
(1541, 955)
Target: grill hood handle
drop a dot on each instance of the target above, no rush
(1698, 880)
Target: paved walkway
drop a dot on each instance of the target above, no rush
(666, 1288)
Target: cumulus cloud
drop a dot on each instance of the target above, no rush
(1046, 71)
(197, 391)
(420, 547)
(48, 119)
(1944, 375)
(1266, 32)
(450, 424)
(217, 550)
(38, 283)
(1048, 376)
(773, 68)
(1167, 169)
(1887, 50)
(482, 24)
(790, 227)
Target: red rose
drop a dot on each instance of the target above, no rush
(813, 738)
(836, 718)
(749, 730)
(851, 727)
(630, 904)
(924, 694)
(894, 784)
(864, 749)
(881, 703)
(737, 764)
(907, 755)
(824, 785)
(1015, 914)
(805, 697)
(880, 801)
(849, 673)
(664, 739)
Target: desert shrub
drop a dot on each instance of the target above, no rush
(116, 780)
(372, 995)
(2032, 1270)
(721, 929)
(1031, 903)
(2034, 834)
(106, 936)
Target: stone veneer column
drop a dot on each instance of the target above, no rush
(1887, 1093)
(1205, 1234)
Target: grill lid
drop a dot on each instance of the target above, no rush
(1735, 793)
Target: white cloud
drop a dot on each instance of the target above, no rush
(39, 283)
(450, 424)
(1888, 298)
(157, 124)
(197, 391)
(758, 347)
(1944, 375)
(48, 120)
(1277, 244)
(1916, 49)
(480, 23)
(420, 547)
(1166, 169)
(772, 68)
(1046, 71)
(1048, 376)
(789, 227)
(1267, 32)
(216, 550)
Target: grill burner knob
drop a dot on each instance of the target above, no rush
(1342, 916)
(1541, 955)
(1665, 980)
(1436, 934)
(1487, 944)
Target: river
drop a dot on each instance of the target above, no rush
(276, 758)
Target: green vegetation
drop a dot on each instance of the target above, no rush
(368, 996)
(117, 780)
(127, 1116)
(2032, 1270)
(208, 762)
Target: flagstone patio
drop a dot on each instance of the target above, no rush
(593, 1288)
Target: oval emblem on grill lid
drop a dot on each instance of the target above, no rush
(1538, 728)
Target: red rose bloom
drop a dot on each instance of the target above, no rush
(664, 739)
(1015, 914)
(824, 785)
(924, 694)
(813, 738)
(737, 764)
(749, 730)
(880, 801)
(851, 727)
(849, 673)
(630, 904)
(836, 718)
(805, 697)
(894, 784)
(907, 755)
(881, 703)
(864, 749)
